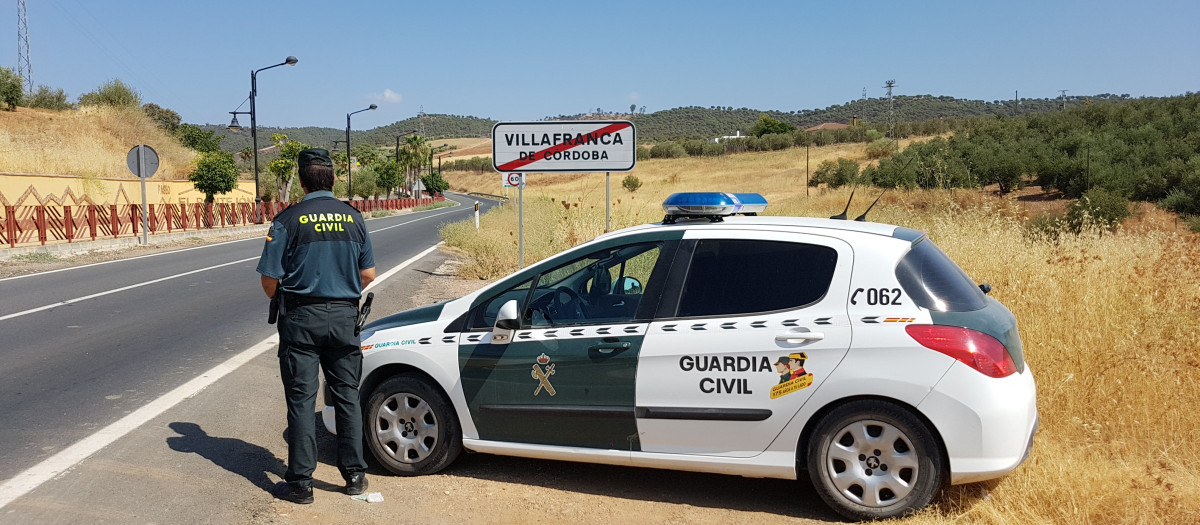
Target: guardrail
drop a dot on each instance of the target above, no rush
(26, 225)
(500, 198)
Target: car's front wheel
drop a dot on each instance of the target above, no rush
(872, 459)
(411, 427)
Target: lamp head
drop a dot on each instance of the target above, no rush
(291, 61)
(233, 125)
(373, 106)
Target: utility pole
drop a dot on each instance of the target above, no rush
(891, 109)
(1016, 101)
(24, 66)
(1063, 96)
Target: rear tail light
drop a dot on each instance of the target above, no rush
(975, 349)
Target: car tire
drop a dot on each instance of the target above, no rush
(871, 459)
(411, 427)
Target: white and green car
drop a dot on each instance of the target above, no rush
(855, 353)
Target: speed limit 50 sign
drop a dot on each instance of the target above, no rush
(578, 146)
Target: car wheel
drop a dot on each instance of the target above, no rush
(874, 460)
(410, 426)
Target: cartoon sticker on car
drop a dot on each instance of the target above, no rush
(792, 376)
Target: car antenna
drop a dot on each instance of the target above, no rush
(863, 217)
(842, 216)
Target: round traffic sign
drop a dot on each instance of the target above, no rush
(145, 164)
(514, 179)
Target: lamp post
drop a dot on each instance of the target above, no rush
(349, 176)
(234, 127)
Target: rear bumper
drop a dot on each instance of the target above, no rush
(986, 424)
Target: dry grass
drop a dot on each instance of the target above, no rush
(1109, 323)
(91, 141)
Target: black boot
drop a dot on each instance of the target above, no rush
(357, 483)
(292, 492)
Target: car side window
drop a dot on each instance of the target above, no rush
(484, 315)
(603, 287)
(742, 276)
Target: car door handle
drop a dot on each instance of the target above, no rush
(800, 337)
(607, 348)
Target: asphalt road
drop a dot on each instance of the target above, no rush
(84, 347)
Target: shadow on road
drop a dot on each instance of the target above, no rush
(239, 457)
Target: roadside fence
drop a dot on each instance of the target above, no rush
(52, 223)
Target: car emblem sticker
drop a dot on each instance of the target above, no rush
(543, 375)
(792, 376)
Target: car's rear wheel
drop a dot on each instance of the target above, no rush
(411, 428)
(872, 459)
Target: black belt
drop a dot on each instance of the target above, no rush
(296, 301)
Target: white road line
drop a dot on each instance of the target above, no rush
(35, 476)
(122, 289)
(126, 259)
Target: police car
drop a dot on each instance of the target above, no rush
(854, 353)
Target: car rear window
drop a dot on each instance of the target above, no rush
(736, 277)
(936, 282)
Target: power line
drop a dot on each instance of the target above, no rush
(24, 65)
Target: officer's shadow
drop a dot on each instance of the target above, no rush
(239, 457)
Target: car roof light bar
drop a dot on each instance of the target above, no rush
(714, 206)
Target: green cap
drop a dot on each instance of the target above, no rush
(315, 157)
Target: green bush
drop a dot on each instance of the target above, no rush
(777, 141)
(713, 149)
(1098, 207)
(1045, 227)
(631, 183)
(693, 147)
(880, 148)
(45, 98)
(667, 150)
(643, 153)
(1193, 223)
(12, 92)
(835, 174)
(112, 93)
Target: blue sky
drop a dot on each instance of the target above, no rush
(514, 60)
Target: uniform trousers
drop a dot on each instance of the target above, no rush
(312, 337)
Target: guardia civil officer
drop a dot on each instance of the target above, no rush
(318, 259)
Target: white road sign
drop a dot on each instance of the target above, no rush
(513, 180)
(582, 145)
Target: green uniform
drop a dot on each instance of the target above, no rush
(316, 249)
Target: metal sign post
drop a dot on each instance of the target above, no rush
(607, 203)
(142, 160)
(516, 180)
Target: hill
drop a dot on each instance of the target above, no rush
(691, 122)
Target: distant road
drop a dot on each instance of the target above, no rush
(84, 347)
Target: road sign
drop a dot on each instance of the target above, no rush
(148, 163)
(513, 180)
(576, 146)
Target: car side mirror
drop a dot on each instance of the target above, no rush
(507, 321)
(985, 288)
(630, 286)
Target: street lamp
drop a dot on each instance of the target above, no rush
(235, 127)
(349, 176)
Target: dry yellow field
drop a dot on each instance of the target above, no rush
(1110, 322)
(89, 142)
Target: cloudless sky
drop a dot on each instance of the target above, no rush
(524, 60)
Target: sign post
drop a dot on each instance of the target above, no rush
(514, 180)
(142, 160)
(572, 146)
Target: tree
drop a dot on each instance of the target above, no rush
(11, 89)
(284, 166)
(413, 156)
(387, 177)
(366, 154)
(165, 118)
(112, 93)
(192, 136)
(46, 98)
(434, 183)
(632, 109)
(215, 172)
(767, 125)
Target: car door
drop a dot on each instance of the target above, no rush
(567, 376)
(752, 324)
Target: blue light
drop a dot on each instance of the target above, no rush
(711, 205)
